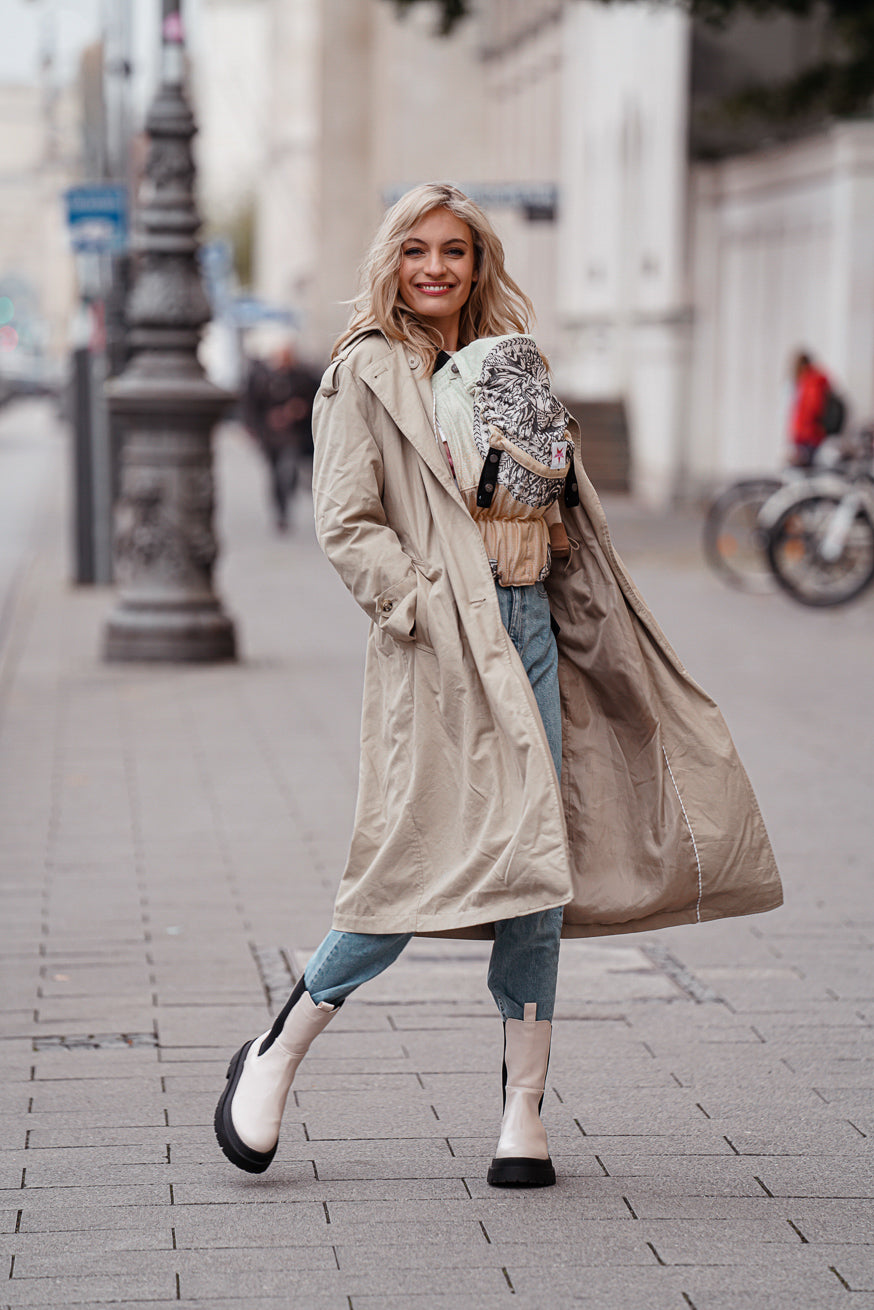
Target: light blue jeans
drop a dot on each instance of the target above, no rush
(524, 960)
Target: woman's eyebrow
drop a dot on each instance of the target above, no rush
(452, 241)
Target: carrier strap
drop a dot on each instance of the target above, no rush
(488, 481)
(571, 486)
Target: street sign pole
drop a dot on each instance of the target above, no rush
(97, 218)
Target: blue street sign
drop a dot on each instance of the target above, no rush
(97, 217)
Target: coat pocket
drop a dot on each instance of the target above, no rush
(422, 630)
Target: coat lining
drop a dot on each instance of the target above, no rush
(691, 834)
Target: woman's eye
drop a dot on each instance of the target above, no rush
(457, 252)
(413, 252)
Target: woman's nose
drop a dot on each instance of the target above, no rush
(435, 263)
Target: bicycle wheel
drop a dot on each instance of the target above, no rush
(734, 544)
(796, 556)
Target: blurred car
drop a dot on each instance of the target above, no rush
(24, 373)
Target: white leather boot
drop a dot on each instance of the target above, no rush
(522, 1158)
(249, 1112)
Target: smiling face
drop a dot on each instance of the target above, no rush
(438, 270)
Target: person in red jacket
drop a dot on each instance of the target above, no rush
(807, 423)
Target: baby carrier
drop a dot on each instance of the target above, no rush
(497, 390)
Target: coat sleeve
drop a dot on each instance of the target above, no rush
(351, 523)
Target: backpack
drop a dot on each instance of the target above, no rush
(834, 413)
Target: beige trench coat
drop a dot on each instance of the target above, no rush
(460, 819)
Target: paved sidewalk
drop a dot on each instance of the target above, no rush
(170, 839)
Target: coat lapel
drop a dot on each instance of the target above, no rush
(410, 407)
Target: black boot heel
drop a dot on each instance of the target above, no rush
(519, 1172)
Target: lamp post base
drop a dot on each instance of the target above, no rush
(183, 634)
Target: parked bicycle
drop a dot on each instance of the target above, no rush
(810, 531)
(819, 535)
(735, 546)
(735, 540)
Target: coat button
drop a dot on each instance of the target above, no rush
(387, 606)
(454, 367)
(414, 363)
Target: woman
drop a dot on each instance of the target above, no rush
(535, 761)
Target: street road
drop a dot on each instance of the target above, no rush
(29, 450)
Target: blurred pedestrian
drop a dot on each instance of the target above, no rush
(277, 410)
(808, 418)
(535, 761)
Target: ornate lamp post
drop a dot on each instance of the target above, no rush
(165, 545)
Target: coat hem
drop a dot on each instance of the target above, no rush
(441, 924)
(670, 919)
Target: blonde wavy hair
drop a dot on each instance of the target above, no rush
(496, 305)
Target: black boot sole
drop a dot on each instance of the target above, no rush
(517, 1171)
(253, 1162)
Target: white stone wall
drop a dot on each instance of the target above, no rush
(520, 69)
(287, 216)
(229, 47)
(782, 258)
(622, 293)
(37, 159)
(363, 102)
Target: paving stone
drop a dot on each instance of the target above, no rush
(464, 1252)
(571, 1199)
(283, 1300)
(80, 1170)
(346, 1215)
(831, 1138)
(122, 1120)
(217, 1026)
(845, 1177)
(91, 1097)
(61, 1163)
(736, 1299)
(82, 1242)
(833, 1221)
(436, 1301)
(9, 1219)
(58, 1131)
(15, 1098)
(62, 1065)
(698, 1139)
(642, 1285)
(76, 1199)
(285, 1278)
(855, 1268)
(257, 1224)
(594, 1236)
(374, 1123)
(460, 1224)
(39, 1292)
(54, 1214)
(309, 1300)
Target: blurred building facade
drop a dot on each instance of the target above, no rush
(680, 268)
(38, 150)
(674, 263)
